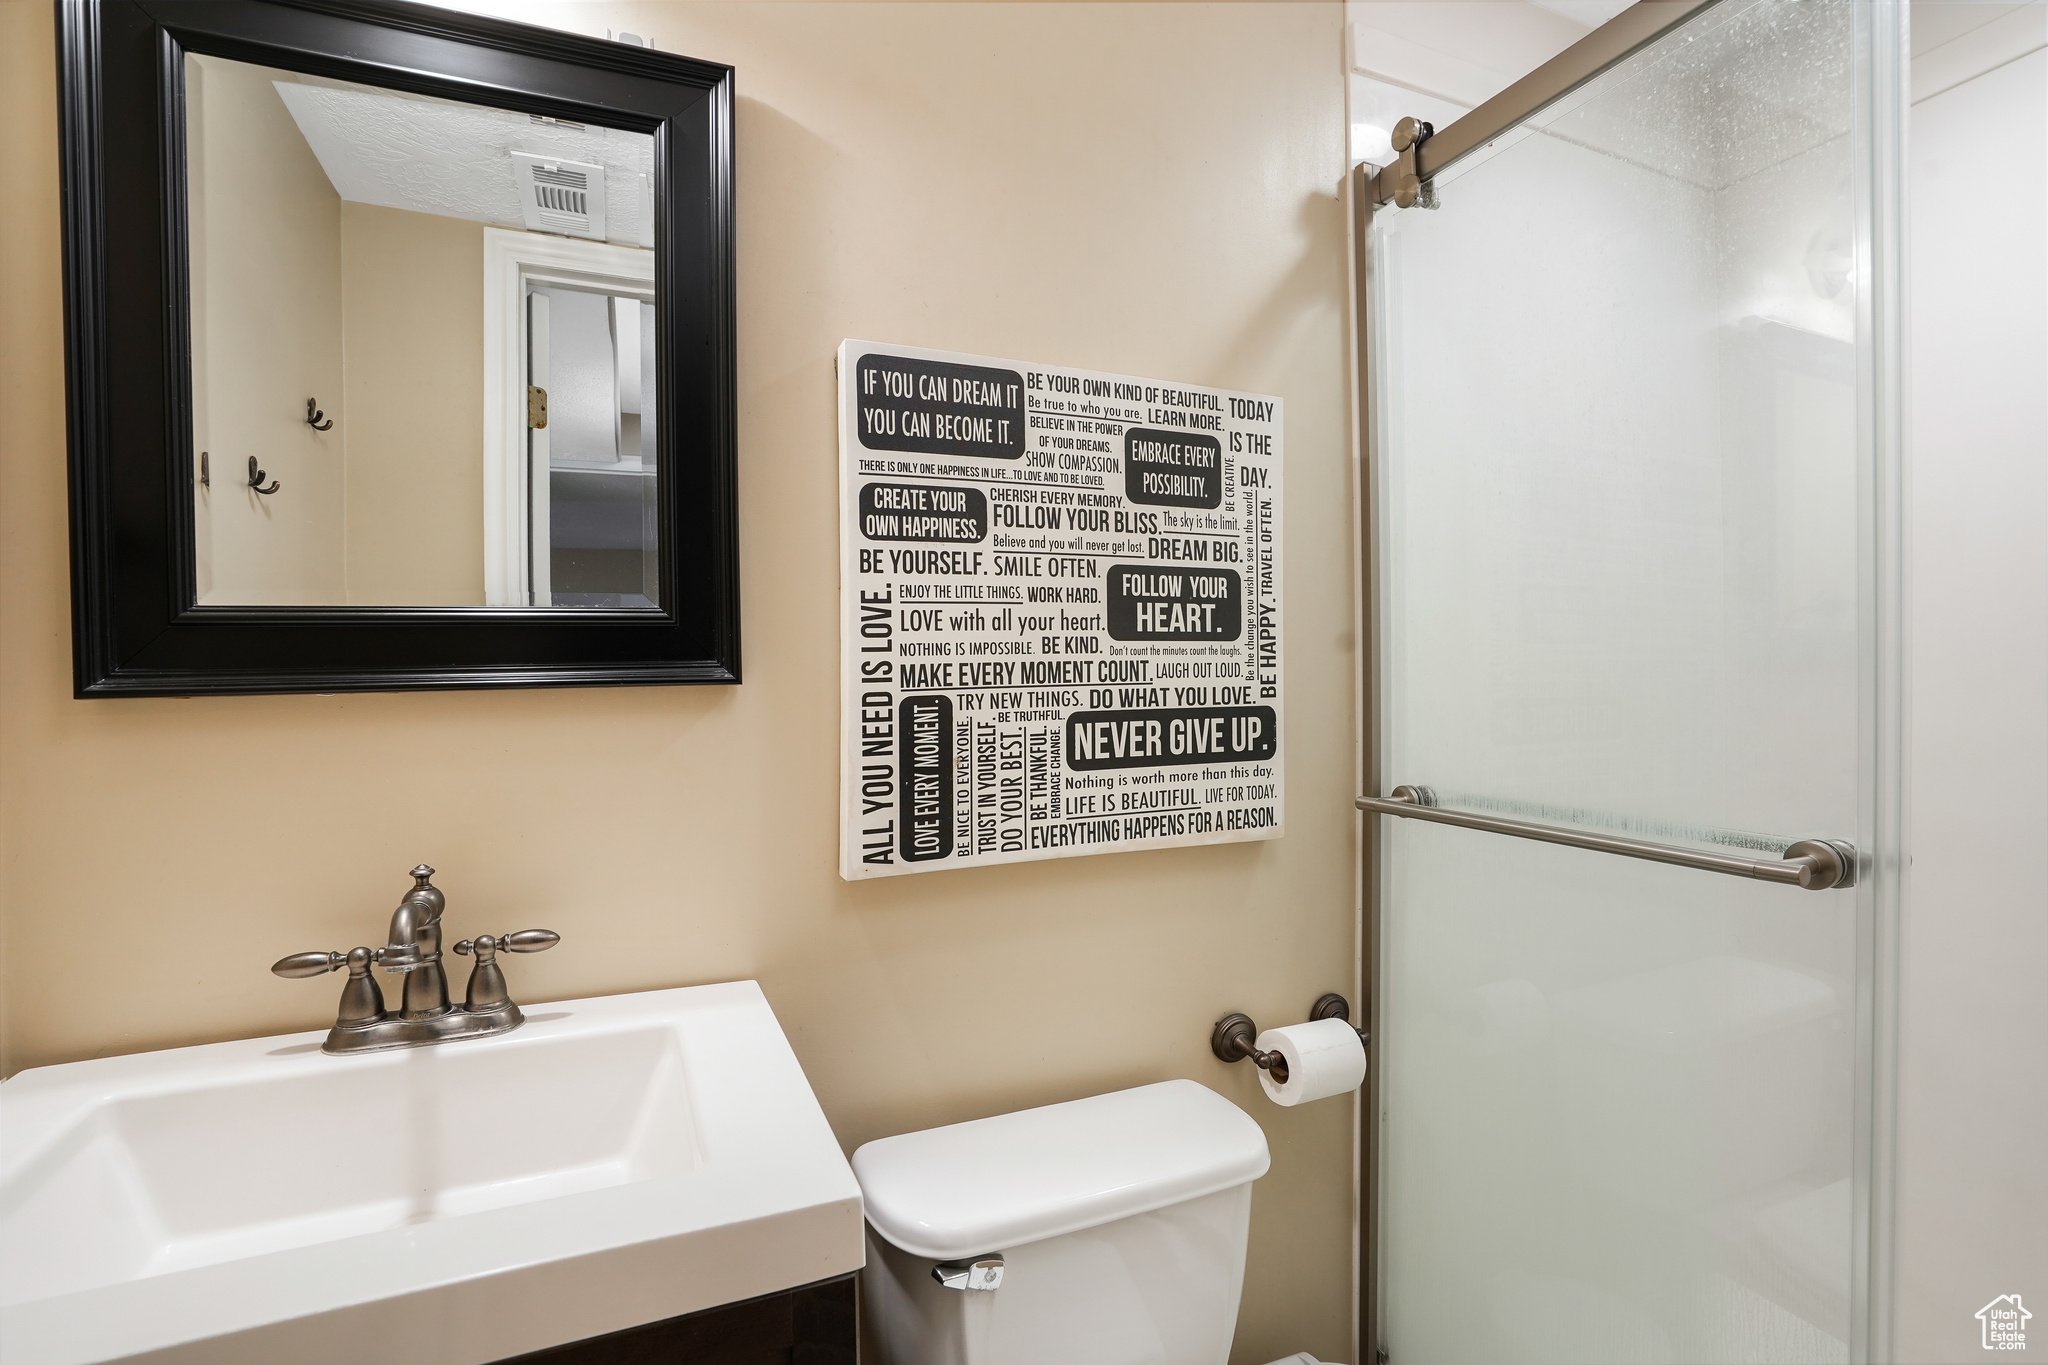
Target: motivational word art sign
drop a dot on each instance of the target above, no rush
(1060, 612)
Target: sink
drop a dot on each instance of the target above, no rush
(615, 1161)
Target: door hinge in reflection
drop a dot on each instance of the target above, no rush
(536, 407)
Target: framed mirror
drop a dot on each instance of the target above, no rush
(400, 352)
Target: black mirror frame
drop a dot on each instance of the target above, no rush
(136, 628)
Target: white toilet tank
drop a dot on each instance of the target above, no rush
(1120, 1221)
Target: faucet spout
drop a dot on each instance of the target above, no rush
(415, 948)
(415, 938)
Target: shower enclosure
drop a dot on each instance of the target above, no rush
(1630, 403)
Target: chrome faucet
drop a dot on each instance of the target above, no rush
(414, 949)
(362, 1024)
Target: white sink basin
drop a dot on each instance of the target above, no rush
(615, 1161)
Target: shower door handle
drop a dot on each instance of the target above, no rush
(1812, 864)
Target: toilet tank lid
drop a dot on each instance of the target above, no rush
(992, 1183)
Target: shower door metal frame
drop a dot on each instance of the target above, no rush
(1880, 311)
(1620, 37)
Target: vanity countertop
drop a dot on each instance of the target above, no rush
(614, 1161)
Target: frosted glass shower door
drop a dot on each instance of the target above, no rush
(1627, 479)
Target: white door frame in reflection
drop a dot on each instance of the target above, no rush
(512, 261)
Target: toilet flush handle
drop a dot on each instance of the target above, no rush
(982, 1272)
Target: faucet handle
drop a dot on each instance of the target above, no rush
(309, 964)
(361, 1002)
(525, 941)
(487, 979)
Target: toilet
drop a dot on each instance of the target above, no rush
(1104, 1231)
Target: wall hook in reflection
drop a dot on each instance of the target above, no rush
(257, 476)
(313, 416)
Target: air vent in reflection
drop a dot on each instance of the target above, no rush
(560, 196)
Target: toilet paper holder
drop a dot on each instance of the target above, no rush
(1234, 1038)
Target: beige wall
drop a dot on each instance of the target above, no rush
(266, 310)
(378, 313)
(413, 307)
(1148, 189)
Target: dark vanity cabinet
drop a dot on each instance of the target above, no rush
(815, 1324)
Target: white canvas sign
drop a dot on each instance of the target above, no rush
(1060, 612)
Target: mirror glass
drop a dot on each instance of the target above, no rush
(423, 349)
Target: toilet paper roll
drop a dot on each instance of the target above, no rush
(1324, 1058)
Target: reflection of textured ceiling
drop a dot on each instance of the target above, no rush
(436, 156)
(1744, 88)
